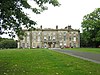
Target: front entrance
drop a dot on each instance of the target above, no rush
(49, 44)
(54, 44)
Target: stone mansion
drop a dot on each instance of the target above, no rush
(50, 38)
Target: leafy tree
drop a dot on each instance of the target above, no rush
(91, 28)
(12, 15)
(82, 41)
(8, 43)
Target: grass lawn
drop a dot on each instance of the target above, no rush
(44, 62)
(93, 50)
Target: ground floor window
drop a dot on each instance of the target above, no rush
(74, 44)
(45, 45)
(23, 45)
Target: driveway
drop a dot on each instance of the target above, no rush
(94, 57)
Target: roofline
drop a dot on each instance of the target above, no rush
(52, 30)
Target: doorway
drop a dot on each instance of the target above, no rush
(49, 44)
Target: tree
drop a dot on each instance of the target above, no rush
(12, 15)
(91, 28)
(7, 43)
(82, 41)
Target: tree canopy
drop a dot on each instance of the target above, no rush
(12, 16)
(91, 28)
(7, 43)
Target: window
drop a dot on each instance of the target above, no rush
(64, 44)
(49, 38)
(34, 34)
(64, 38)
(45, 33)
(45, 45)
(70, 45)
(60, 44)
(74, 44)
(39, 33)
(34, 45)
(23, 39)
(28, 38)
(23, 45)
(44, 38)
(74, 34)
(27, 45)
(53, 33)
(70, 38)
(64, 33)
(28, 34)
(60, 37)
(34, 38)
(74, 38)
(53, 38)
(38, 38)
(60, 33)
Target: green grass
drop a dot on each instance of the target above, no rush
(93, 50)
(44, 62)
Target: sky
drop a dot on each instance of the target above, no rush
(70, 12)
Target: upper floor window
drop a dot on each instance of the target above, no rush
(28, 38)
(45, 38)
(34, 38)
(72, 32)
(38, 38)
(64, 38)
(60, 33)
(74, 38)
(49, 38)
(54, 38)
(54, 34)
(39, 33)
(34, 34)
(70, 38)
(44, 33)
(64, 33)
(23, 39)
(28, 34)
(60, 37)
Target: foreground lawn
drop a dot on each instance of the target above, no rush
(44, 62)
(93, 50)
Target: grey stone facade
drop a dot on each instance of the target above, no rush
(51, 38)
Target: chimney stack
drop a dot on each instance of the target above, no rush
(66, 27)
(69, 27)
(56, 26)
(41, 27)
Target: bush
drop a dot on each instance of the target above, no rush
(8, 43)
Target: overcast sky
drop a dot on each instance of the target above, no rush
(70, 12)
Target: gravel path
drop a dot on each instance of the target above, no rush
(94, 57)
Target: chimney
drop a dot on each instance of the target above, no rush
(66, 27)
(69, 27)
(56, 26)
(41, 27)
